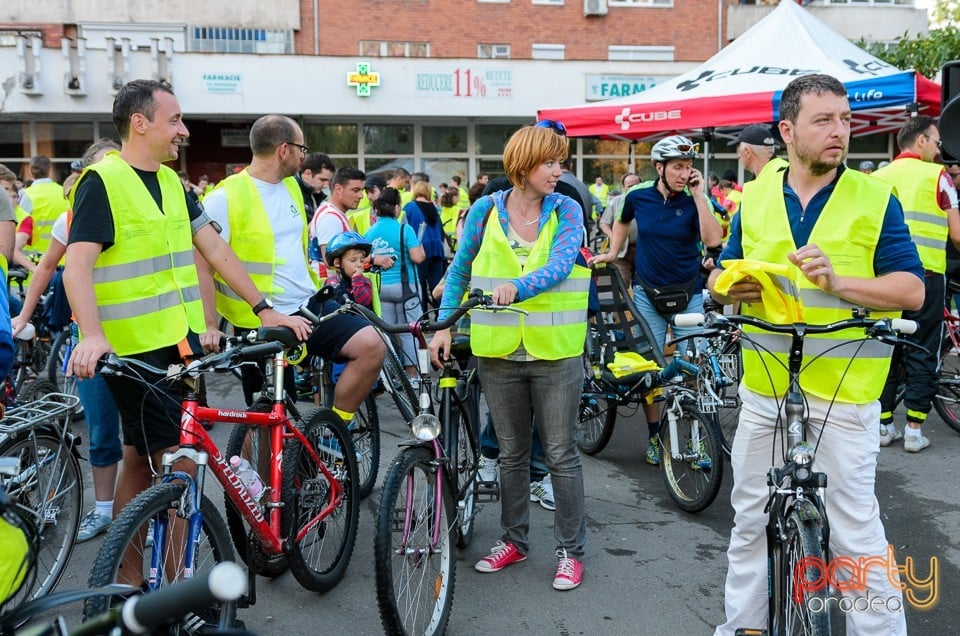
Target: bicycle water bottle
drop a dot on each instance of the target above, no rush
(248, 476)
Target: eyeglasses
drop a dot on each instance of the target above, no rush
(555, 126)
(304, 149)
(939, 142)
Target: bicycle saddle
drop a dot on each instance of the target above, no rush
(282, 335)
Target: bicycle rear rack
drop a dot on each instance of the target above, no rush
(49, 408)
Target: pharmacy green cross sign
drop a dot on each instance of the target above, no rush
(363, 79)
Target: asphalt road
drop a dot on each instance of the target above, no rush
(650, 568)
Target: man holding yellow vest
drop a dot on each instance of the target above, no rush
(845, 234)
(130, 273)
(930, 207)
(261, 214)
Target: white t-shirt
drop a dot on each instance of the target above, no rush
(59, 231)
(287, 222)
(327, 223)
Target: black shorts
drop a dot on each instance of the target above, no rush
(332, 335)
(149, 416)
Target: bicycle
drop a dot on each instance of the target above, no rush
(60, 350)
(430, 493)
(48, 486)
(718, 380)
(305, 520)
(798, 530)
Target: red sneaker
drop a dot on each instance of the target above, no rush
(502, 555)
(569, 572)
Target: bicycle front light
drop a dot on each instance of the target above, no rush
(802, 454)
(425, 427)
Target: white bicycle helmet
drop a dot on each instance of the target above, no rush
(674, 147)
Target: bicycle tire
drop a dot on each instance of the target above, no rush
(402, 391)
(802, 549)
(467, 464)
(127, 533)
(411, 570)
(728, 417)
(692, 481)
(320, 559)
(596, 419)
(53, 497)
(55, 375)
(251, 443)
(365, 432)
(947, 400)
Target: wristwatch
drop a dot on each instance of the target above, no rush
(260, 306)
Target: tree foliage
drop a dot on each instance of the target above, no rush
(924, 53)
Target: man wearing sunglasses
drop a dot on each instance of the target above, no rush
(930, 206)
(673, 218)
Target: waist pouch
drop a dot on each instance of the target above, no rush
(670, 299)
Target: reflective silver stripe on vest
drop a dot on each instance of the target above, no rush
(556, 318)
(817, 299)
(786, 285)
(126, 271)
(937, 244)
(44, 223)
(137, 308)
(822, 347)
(495, 318)
(568, 284)
(926, 217)
(258, 267)
(223, 288)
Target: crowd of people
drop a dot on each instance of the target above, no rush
(154, 263)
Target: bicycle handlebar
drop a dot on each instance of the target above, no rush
(882, 326)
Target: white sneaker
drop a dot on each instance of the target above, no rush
(889, 434)
(915, 443)
(542, 491)
(489, 470)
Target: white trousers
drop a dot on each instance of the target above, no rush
(848, 455)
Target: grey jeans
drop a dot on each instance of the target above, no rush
(550, 392)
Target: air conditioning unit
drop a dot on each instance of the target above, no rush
(594, 7)
(501, 50)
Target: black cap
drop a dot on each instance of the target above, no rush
(374, 181)
(755, 134)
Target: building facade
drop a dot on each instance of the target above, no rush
(433, 85)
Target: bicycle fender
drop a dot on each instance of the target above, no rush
(806, 510)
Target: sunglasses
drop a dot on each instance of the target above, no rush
(939, 142)
(694, 148)
(555, 126)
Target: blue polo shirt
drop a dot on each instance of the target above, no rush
(668, 234)
(895, 250)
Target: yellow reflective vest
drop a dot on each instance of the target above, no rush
(448, 220)
(847, 231)
(148, 295)
(252, 239)
(360, 221)
(556, 326)
(48, 204)
(916, 183)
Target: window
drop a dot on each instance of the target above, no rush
(908, 3)
(8, 37)
(375, 48)
(331, 139)
(617, 52)
(640, 3)
(493, 51)
(205, 39)
(444, 138)
(548, 51)
(491, 138)
(388, 139)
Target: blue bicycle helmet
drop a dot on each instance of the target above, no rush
(343, 242)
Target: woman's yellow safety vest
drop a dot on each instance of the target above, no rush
(48, 204)
(252, 239)
(448, 220)
(146, 284)
(556, 326)
(916, 183)
(847, 231)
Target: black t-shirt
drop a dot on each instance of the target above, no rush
(92, 217)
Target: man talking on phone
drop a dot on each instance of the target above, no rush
(673, 218)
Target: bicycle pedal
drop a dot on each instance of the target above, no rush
(488, 491)
(751, 632)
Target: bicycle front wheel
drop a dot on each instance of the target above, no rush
(597, 417)
(692, 463)
(321, 548)
(947, 399)
(48, 489)
(125, 556)
(365, 431)
(413, 553)
(802, 607)
(59, 353)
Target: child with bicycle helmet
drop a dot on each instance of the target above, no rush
(345, 256)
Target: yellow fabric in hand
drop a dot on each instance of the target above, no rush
(628, 362)
(12, 559)
(780, 294)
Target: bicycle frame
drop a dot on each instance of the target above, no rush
(197, 446)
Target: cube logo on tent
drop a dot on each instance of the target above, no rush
(625, 118)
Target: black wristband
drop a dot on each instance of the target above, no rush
(260, 306)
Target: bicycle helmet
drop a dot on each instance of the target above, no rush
(343, 242)
(674, 147)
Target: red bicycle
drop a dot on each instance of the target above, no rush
(305, 519)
